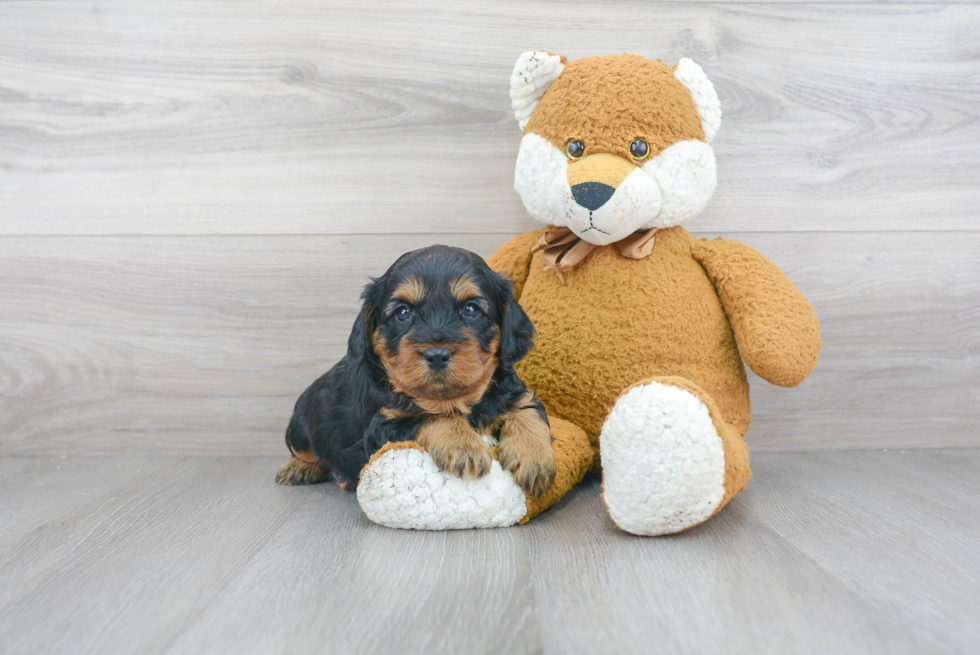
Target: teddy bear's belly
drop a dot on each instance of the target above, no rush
(617, 321)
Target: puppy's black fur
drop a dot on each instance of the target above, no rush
(434, 300)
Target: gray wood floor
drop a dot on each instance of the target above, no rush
(831, 552)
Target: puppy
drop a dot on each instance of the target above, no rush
(431, 359)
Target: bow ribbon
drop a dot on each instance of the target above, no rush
(563, 249)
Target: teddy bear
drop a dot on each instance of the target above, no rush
(642, 329)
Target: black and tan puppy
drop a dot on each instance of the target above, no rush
(431, 359)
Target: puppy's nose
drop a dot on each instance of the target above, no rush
(592, 195)
(437, 358)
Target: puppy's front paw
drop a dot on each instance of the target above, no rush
(456, 447)
(467, 460)
(531, 462)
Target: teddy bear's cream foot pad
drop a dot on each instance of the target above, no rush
(663, 462)
(402, 488)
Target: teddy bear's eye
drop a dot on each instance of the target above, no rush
(575, 149)
(639, 149)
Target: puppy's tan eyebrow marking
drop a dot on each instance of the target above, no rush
(464, 288)
(411, 290)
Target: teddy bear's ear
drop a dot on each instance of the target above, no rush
(703, 91)
(533, 74)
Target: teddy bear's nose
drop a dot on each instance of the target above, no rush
(592, 195)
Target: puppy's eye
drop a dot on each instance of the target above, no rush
(470, 310)
(575, 149)
(403, 313)
(639, 149)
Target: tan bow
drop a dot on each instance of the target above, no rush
(563, 249)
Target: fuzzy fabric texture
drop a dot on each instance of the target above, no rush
(533, 74)
(777, 330)
(687, 176)
(513, 260)
(400, 487)
(667, 190)
(650, 348)
(662, 319)
(541, 168)
(573, 456)
(616, 321)
(705, 98)
(663, 462)
(607, 102)
(669, 460)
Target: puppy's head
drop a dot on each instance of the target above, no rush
(441, 323)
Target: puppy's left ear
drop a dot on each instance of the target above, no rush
(359, 342)
(516, 329)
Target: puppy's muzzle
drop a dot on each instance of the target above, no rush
(437, 359)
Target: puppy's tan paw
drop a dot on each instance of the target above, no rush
(297, 472)
(455, 447)
(467, 460)
(525, 450)
(531, 462)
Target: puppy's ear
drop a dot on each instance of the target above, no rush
(359, 342)
(516, 329)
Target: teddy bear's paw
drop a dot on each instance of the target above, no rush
(663, 462)
(401, 487)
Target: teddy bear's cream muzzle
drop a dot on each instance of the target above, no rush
(604, 198)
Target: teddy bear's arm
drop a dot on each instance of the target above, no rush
(513, 259)
(777, 330)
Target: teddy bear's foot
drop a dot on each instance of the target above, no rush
(401, 487)
(669, 461)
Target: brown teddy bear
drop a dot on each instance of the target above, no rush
(642, 328)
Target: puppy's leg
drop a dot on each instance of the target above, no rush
(298, 471)
(525, 448)
(304, 467)
(455, 446)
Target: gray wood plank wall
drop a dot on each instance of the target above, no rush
(192, 194)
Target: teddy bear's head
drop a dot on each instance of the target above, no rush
(613, 144)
